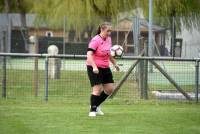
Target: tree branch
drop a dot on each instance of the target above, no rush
(97, 10)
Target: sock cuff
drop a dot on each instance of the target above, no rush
(95, 95)
(104, 93)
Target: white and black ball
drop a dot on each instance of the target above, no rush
(116, 51)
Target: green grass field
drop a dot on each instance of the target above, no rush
(65, 117)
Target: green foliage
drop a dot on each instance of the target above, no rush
(187, 12)
(80, 13)
(83, 13)
(1, 6)
(16, 6)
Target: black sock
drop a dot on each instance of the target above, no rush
(93, 102)
(102, 98)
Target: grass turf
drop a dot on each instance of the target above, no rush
(67, 117)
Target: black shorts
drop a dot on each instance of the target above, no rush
(103, 77)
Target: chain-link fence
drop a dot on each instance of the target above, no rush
(65, 76)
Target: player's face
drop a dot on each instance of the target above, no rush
(107, 31)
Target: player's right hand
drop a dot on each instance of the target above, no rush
(95, 70)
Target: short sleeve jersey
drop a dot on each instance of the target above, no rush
(101, 48)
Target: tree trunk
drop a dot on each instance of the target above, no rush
(22, 13)
(173, 33)
(23, 22)
(6, 6)
(23, 19)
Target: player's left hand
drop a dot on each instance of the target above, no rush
(117, 68)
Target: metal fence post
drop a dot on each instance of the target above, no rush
(4, 78)
(35, 76)
(4, 67)
(196, 80)
(145, 74)
(46, 78)
(141, 78)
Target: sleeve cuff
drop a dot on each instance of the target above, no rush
(90, 49)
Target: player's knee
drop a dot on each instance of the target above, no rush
(109, 91)
(96, 90)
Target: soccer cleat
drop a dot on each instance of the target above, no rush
(99, 112)
(92, 114)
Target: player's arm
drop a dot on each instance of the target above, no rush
(91, 61)
(113, 61)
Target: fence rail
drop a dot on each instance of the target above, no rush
(171, 78)
(84, 57)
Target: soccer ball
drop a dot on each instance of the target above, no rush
(116, 51)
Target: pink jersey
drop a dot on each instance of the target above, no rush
(101, 49)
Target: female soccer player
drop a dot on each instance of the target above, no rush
(99, 73)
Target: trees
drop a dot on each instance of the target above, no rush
(177, 14)
(79, 12)
(16, 6)
(186, 12)
(83, 12)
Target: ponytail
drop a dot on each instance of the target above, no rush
(102, 26)
(98, 30)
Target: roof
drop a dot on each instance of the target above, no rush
(126, 24)
(16, 21)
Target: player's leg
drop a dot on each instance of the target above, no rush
(108, 89)
(108, 85)
(96, 84)
(96, 91)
